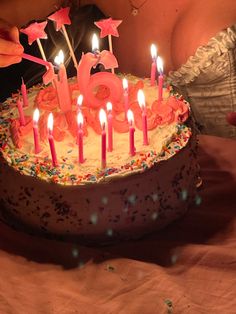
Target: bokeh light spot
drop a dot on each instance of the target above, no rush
(154, 216)
(155, 197)
(75, 252)
(132, 199)
(94, 218)
(109, 232)
(198, 200)
(104, 200)
(184, 195)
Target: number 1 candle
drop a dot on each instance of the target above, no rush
(141, 101)
(103, 121)
(110, 127)
(51, 140)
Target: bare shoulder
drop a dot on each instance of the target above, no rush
(201, 21)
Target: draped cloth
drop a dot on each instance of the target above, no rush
(208, 82)
(189, 267)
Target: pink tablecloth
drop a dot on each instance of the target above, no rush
(190, 267)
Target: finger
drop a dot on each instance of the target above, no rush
(9, 60)
(10, 48)
(14, 34)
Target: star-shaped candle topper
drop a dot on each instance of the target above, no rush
(61, 17)
(108, 27)
(35, 31)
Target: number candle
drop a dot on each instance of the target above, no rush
(21, 112)
(141, 101)
(61, 84)
(160, 78)
(103, 121)
(24, 94)
(37, 148)
(126, 95)
(110, 127)
(80, 121)
(51, 140)
(79, 102)
(130, 117)
(153, 67)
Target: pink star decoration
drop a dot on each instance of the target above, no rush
(108, 27)
(61, 17)
(35, 31)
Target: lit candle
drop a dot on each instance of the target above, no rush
(80, 121)
(126, 95)
(110, 127)
(79, 102)
(160, 78)
(21, 112)
(37, 148)
(103, 121)
(51, 140)
(130, 117)
(141, 101)
(95, 44)
(24, 94)
(61, 84)
(153, 67)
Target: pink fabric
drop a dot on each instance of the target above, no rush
(191, 263)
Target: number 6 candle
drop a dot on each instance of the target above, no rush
(141, 101)
(103, 121)
(51, 140)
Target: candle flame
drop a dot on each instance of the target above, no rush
(125, 83)
(80, 100)
(141, 98)
(50, 122)
(59, 59)
(36, 115)
(80, 119)
(153, 51)
(160, 65)
(102, 118)
(95, 43)
(130, 116)
(109, 106)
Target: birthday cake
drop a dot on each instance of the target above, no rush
(92, 159)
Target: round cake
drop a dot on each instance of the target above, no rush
(129, 196)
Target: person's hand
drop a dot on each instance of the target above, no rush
(10, 48)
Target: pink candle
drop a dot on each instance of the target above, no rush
(51, 140)
(80, 121)
(61, 84)
(24, 94)
(103, 121)
(110, 127)
(153, 67)
(141, 101)
(130, 117)
(160, 78)
(21, 112)
(126, 95)
(37, 148)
